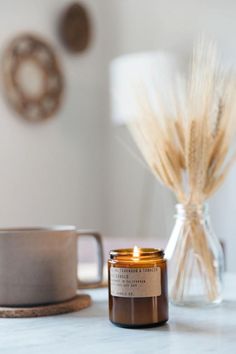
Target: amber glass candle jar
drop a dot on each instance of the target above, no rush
(137, 287)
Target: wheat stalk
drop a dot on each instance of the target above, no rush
(188, 150)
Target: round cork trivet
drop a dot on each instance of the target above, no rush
(79, 302)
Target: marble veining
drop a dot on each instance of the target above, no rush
(211, 330)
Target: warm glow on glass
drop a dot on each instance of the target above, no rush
(136, 252)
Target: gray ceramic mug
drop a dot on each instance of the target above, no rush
(39, 265)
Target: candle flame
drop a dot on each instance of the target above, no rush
(136, 252)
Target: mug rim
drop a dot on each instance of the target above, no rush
(57, 228)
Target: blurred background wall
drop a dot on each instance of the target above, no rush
(76, 168)
(52, 172)
(172, 26)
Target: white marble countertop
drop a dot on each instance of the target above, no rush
(211, 330)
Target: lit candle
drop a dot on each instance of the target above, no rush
(137, 287)
(136, 253)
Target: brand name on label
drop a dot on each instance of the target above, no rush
(135, 282)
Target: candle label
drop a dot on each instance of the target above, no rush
(135, 282)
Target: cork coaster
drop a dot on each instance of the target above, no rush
(79, 302)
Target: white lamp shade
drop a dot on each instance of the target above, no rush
(150, 70)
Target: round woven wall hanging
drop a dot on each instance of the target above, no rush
(75, 28)
(33, 81)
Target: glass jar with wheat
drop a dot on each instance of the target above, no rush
(189, 148)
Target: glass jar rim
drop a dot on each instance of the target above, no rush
(203, 205)
(199, 208)
(143, 252)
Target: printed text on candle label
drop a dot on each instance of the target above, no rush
(135, 282)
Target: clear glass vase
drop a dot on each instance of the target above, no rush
(195, 259)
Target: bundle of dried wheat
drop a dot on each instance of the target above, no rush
(190, 148)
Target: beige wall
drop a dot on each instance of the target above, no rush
(73, 168)
(53, 172)
(172, 26)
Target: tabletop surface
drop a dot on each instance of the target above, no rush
(211, 330)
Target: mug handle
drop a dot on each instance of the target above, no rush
(98, 239)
